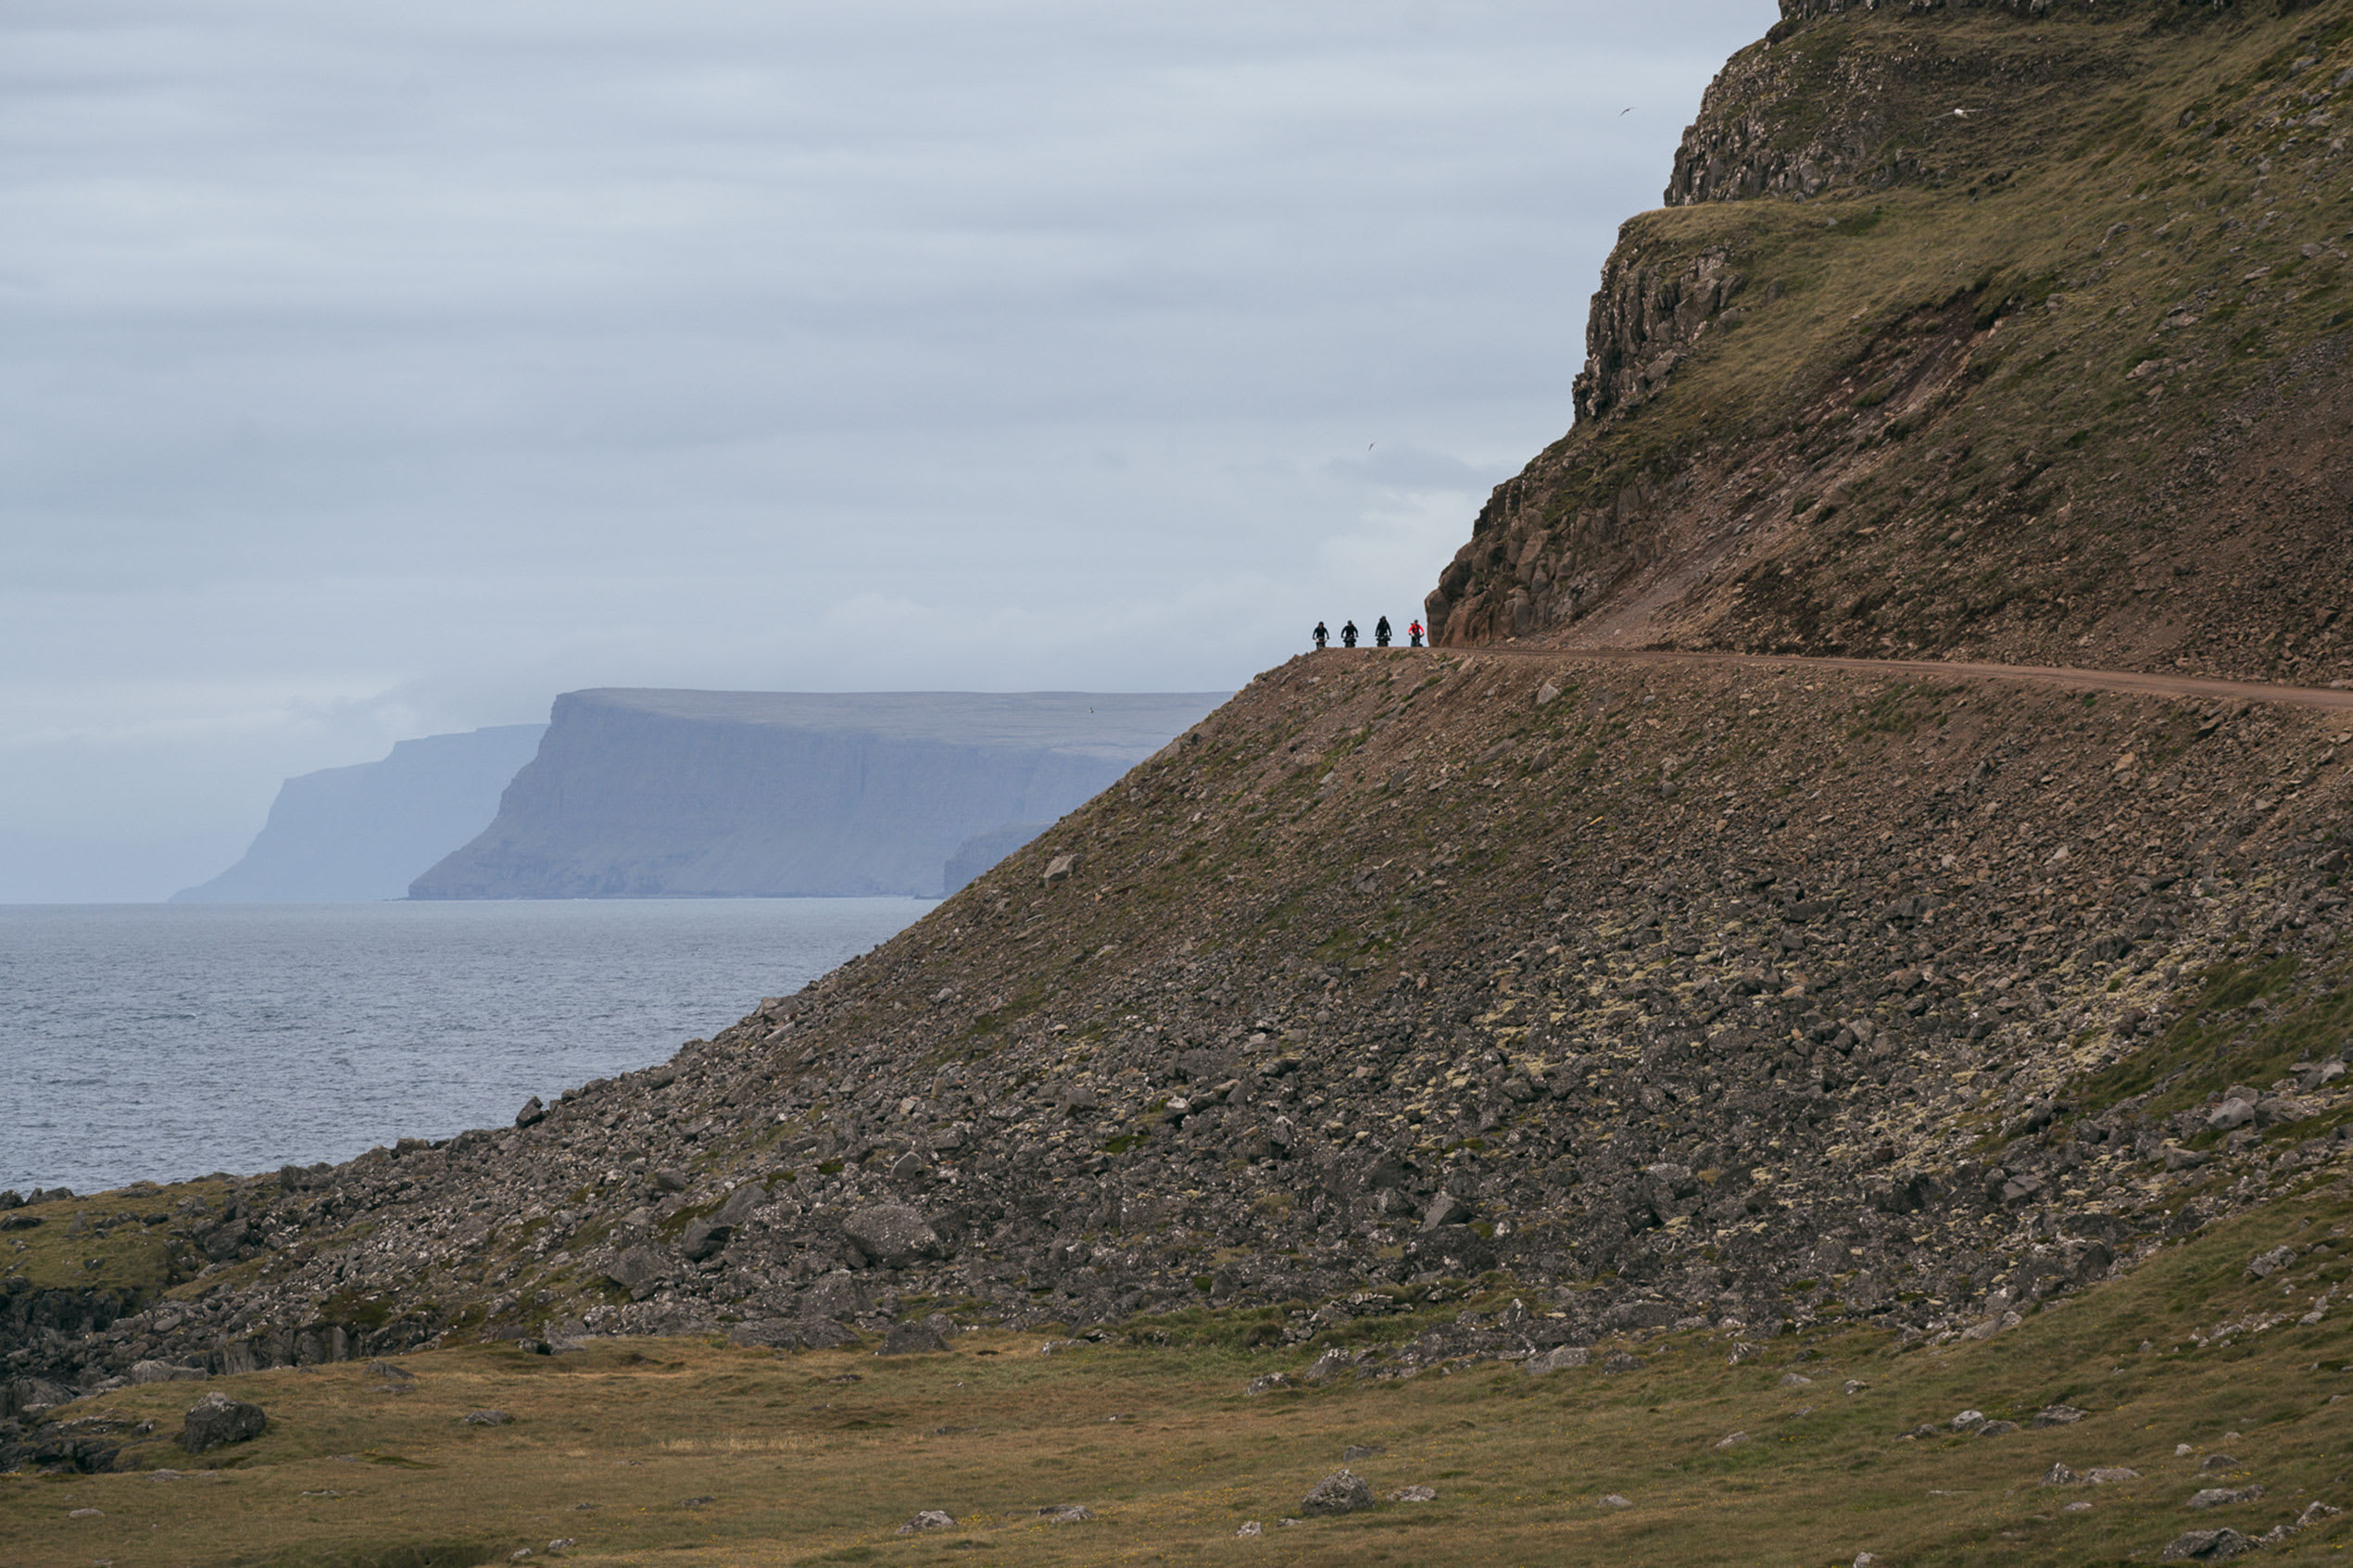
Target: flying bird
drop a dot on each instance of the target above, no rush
(1623, 113)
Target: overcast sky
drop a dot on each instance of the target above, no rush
(376, 372)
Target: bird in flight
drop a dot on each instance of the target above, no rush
(1623, 113)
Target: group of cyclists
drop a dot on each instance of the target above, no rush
(1380, 633)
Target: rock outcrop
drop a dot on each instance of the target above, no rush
(660, 793)
(2005, 332)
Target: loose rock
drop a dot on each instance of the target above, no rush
(216, 1421)
(1344, 1491)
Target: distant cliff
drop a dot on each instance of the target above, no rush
(363, 832)
(673, 794)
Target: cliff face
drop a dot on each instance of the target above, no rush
(2001, 331)
(363, 832)
(639, 794)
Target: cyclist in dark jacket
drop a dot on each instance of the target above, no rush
(1348, 634)
(1380, 633)
(1322, 636)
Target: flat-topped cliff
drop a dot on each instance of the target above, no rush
(363, 832)
(684, 793)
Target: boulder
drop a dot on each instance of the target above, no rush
(1555, 1360)
(928, 1518)
(2231, 1115)
(216, 1421)
(1344, 1491)
(638, 1271)
(891, 1234)
(911, 1339)
(165, 1372)
(1445, 1210)
(2207, 1546)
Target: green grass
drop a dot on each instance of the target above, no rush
(2218, 1042)
(818, 1458)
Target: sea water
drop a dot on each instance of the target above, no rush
(158, 1042)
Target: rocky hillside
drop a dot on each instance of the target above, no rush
(1660, 989)
(1674, 990)
(2004, 331)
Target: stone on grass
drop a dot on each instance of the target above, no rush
(1066, 1514)
(1617, 1499)
(216, 1421)
(2264, 1265)
(1344, 1491)
(928, 1518)
(487, 1417)
(2216, 1461)
(1796, 1380)
(2060, 1476)
(1731, 1440)
(911, 1339)
(1269, 1382)
(1555, 1360)
(2057, 1415)
(1622, 1360)
(2222, 1497)
(1251, 1528)
(1414, 1494)
(2207, 1546)
(164, 1372)
(2107, 1475)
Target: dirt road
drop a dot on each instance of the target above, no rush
(2047, 675)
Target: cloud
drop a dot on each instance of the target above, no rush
(430, 359)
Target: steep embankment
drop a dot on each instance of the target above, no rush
(1677, 991)
(364, 832)
(1998, 333)
(668, 794)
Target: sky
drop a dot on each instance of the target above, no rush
(380, 372)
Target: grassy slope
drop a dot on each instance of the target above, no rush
(818, 1458)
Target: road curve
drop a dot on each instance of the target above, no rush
(2129, 681)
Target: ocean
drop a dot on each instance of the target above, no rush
(157, 1042)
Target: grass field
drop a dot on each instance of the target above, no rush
(688, 1452)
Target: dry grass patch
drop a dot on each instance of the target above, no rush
(690, 1453)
